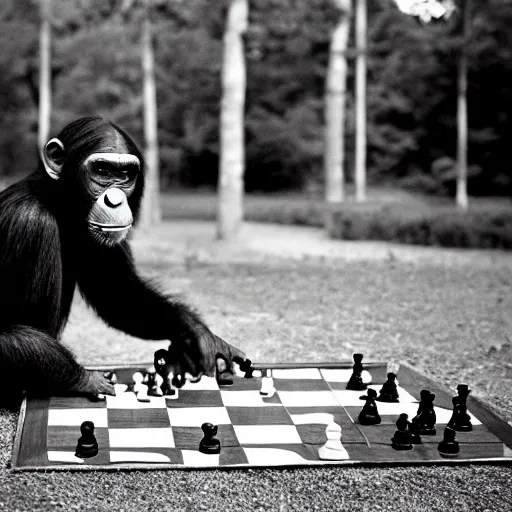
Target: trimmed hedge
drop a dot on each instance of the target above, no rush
(444, 226)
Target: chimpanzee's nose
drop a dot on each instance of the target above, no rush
(114, 197)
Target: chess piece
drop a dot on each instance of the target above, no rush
(460, 420)
(139, 388)
(449, 447)
(153, 384)
(111, 377)
(332, 449)
(267, 385)
(369, 414)
(355, 382)
(168, 390)
(388, 391)
(424, 423)
(246, 366)
(209, 444)
(87, 445)
(402, 440)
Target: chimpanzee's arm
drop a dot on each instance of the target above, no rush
(108, 280)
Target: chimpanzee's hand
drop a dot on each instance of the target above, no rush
(200, 353)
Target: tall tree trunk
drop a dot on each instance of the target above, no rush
(462, 109)
(360, 101)
(334, 104)
(232, 151)
(151, 213)
(45, 92)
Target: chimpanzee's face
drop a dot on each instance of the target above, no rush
(111, 179)
(99, 184)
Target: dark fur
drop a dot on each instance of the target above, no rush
(45, 252)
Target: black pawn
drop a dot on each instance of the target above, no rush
(402, 440)
(369, 414)
(152, 384)
(388, 391)
(87, 445)
(355, 382)
(209, 444)
(424, 422)
(448, 447)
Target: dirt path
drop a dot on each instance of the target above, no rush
(258, 242)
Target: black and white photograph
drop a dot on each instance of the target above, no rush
(256, 255)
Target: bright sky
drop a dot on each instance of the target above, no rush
(427, 10)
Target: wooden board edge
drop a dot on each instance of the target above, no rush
(496, 461)
(257, 365)
(17, 435)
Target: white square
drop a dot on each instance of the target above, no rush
(126, 456)
(75, 417)
(249, 398)
(297, 374)
(205, 384)
(196, 416)
(308, 398)
(60, 456)
(336, 375)
(141, 438)
(273, 457)
(348, 398)
(267, 434)
(313, 418)
(129, 401)
(403, 395)
(198, 459)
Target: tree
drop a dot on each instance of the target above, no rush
(45, 7)
(335, 100)
(360, 101)
(232, 153)
(433, 9)
(151, 213)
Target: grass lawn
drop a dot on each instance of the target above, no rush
(453, 323)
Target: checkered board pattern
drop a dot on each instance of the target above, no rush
(309, 407)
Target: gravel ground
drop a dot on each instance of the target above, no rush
(446, 312)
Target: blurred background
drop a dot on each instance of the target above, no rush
(421, 93)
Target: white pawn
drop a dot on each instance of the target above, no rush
(267, 385)
(140, 389)
(333, 449)
(138, 378)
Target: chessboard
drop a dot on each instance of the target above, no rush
(309, 418)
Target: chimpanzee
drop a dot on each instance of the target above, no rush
(65, 225)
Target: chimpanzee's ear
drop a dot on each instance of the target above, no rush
(53, 158)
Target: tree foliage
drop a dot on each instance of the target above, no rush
(411, 88)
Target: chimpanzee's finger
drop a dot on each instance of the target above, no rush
(222, 364)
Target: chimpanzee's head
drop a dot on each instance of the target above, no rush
(100, 173)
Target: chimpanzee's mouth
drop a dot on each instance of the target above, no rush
(110, 227)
